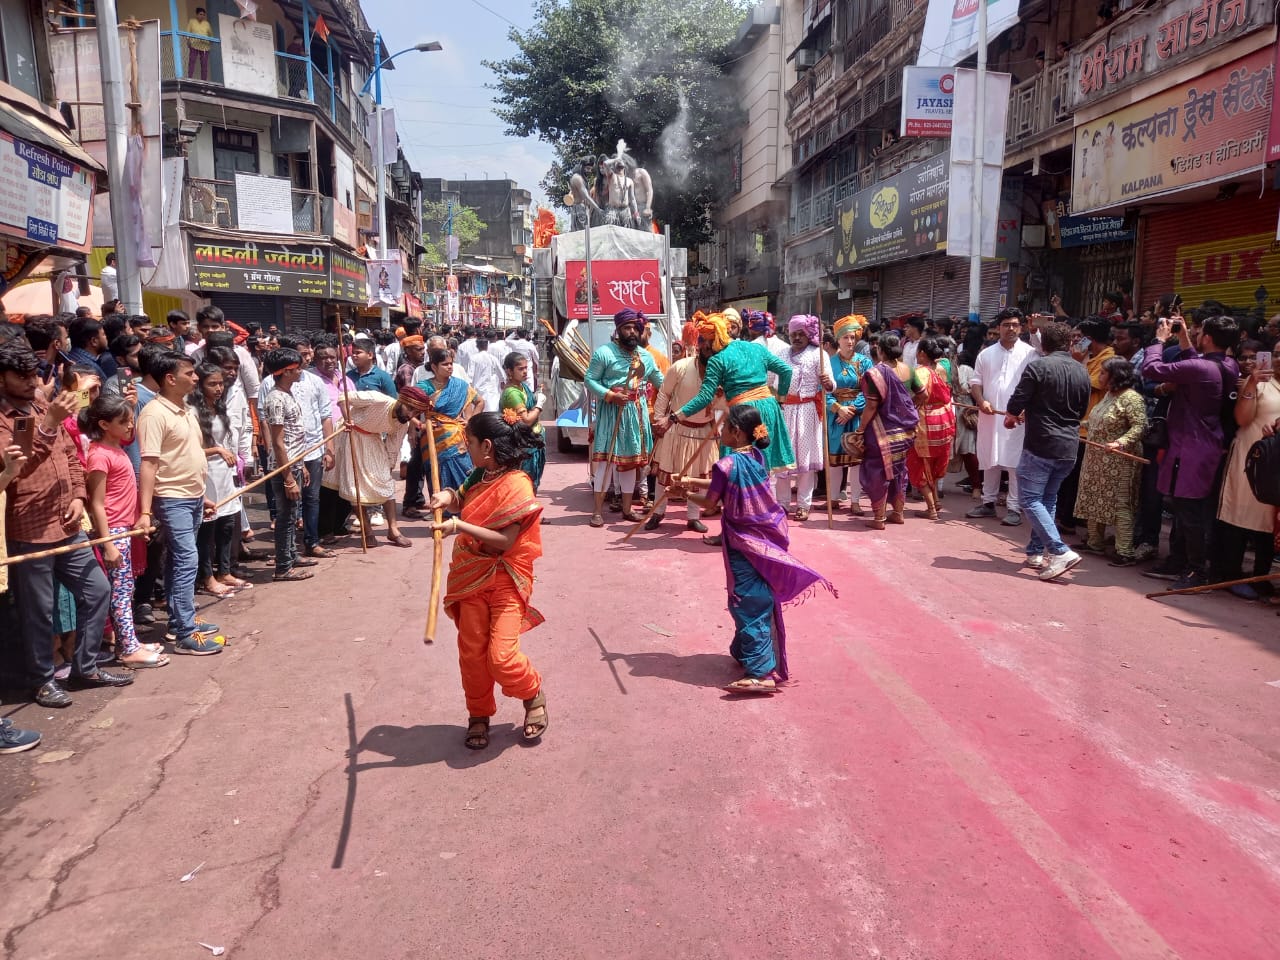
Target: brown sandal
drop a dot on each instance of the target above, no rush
(477, 733)
(534, 729)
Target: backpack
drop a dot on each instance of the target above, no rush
(1262, 470)
(1227, 410)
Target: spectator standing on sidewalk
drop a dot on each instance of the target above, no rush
(12, 460)
(1050, 401)
(286, 439)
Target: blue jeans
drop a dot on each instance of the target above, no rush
(1038, 482)
(286, 521)
(180, 517)
(313, 474)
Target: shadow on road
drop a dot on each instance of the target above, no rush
(696, 669)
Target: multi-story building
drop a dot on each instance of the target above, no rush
(267, 170)
(494, 273)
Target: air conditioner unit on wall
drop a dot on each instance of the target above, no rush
(806, 58)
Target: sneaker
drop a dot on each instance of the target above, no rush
(1145, 551)
(197, 645)
(1036, 561)
(376, 519)
(1121, 560)
(1192, 579)
(1245, 591)
(13, 740)
(1164, 571)
(982, 511)
(202, 626)
(1012, 519)
(1059, 565)
(143, 613)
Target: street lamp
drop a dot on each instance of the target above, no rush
(380, 168)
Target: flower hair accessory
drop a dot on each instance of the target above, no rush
(511, 416)
(760, 433)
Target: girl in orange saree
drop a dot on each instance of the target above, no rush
(491, 573)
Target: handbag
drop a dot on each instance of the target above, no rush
(1156, 435)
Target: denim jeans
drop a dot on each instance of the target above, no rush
(286, 522)
(180, 517)
(312, 476)
(1039, 480)
(35, 589)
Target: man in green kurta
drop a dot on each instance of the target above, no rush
(623, 436)
(742, 367)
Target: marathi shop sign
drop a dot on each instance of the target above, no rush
(615, 285)
(904, 216)
(1210, 128)
(1174, 33)
(273, 269)
(44, 198)
(348, 277)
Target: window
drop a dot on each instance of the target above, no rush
(18, 48)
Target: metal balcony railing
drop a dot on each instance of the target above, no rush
(213, 202)
(1039, 105)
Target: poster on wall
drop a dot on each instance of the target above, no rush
(264, 204)
(1208, 129)
(951, 29)
(248, 53)
(385, 279)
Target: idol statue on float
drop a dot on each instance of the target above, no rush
(614, 191)
(583, 208)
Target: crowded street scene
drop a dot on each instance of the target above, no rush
(794, 479)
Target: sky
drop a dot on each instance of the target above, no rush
(444, 111)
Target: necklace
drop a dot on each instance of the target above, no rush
(491, 475)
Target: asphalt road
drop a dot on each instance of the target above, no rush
(970, 764)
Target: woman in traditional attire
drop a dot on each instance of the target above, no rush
(888, 426)
(741, 368)
(761, 574)
(1109, 484)
(930, 453)
(527, 405)
(491, 573)
(845, 403)
(453, 402)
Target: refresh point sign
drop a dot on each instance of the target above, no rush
(928, 97)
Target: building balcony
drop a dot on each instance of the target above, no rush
(213, 203)
(1039, 106)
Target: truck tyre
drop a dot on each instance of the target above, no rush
(563, 443)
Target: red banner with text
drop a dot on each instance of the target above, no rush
(616, 285)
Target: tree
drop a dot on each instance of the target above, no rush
(590, 73)
(467, 226)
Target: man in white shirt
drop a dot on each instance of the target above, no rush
(995, 376)
(466, 350)
(913, 331)
(211, 320)
(498, 347)
(110, 285)
(389, 353)
(487, 375)
(520, 341)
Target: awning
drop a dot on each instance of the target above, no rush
(21, 118)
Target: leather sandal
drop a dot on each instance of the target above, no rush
(477, 733)
(753, 685)
(534, 729)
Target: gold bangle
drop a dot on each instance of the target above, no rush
(455, 526)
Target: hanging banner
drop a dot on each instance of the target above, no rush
(385, 279)
(951, 29)
(927, 100)
(904, 216)
(616, 285)
(1207, 129)
(963, 133)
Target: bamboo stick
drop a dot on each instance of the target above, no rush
(1206, 587)
(715, 435)
(72, 547)
(278, 470)
(826, 459)
(1088, 443)
(437, 546)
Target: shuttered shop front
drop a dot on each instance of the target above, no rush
(939, 287)
(1222, 250)
(247, 308)
(906, 287)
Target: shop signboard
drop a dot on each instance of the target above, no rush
(347, 276)
(616, 285)
(1166, 36)
(951, 29)
(1087, 231)
(927, 101)
(1273, 130)
(1198, 132)
(904, 216)
(44, 197)
(1231, 270)
(274, 269)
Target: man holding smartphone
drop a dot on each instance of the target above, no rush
(45, 505)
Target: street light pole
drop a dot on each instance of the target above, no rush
(380, 168)
(979, 135)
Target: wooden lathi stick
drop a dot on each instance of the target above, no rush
(72, 547)
(661, 501)
(1206, 587)
(437, 546)
(1088, 443)
(826, 460)
(276, 472)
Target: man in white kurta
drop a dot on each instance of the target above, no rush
(995, 376)
(376, 426)
(802, 409)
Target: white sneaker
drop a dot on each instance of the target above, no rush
(1036, 561)
(376, 519)
(1060, 565)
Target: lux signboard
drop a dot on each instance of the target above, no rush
(616, 285)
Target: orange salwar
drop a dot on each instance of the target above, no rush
(488, 593)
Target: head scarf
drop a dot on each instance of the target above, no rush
(414, 341)
(715, 327)
(399, 333)
(623, 317)
(809, 324)
(853, 323)
(160, 335)
(760, 323)
(731, 315)
(415, 398)
(689, 334)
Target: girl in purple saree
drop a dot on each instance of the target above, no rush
(761, 573)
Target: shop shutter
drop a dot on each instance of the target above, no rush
(303, 314)
(246, 308)
(951, 294)
(1223, 250)
(906, 287)
(864, 304)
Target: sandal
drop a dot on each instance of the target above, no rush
(150, 659)
(631, 517)
(413, 513)
(321, 553)
(400, 540)
(477, 733)
(291, 576)
(713, 540)
(752, 685)
(597, 520)
(800, 516)
(534, 729)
